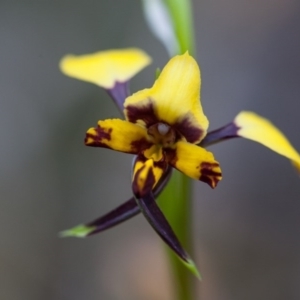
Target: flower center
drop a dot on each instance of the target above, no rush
(162, 134)
(162, 128)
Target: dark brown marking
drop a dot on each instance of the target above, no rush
(94, 143)
(162, 164)
(187, 129)
(148, 184)
(150, 180)
(170, 155)
(144, 112)
(207, 180)
(140, 145)
(101, 134)
(208, 175)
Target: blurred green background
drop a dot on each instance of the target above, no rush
(246, 232)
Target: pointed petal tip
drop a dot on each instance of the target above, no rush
(79, 231)
(193, 268)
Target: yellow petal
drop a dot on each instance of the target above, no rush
(155, 152)
(105, 68)
(174, 99)
(195, 162)
(118, 135)
(146, 174)
(259, 129)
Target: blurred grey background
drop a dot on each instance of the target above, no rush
(246, 232)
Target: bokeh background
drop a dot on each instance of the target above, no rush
(246, 232)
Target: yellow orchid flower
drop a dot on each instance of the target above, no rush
(162, 126)
(165, 128)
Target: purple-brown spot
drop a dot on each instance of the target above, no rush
(141, 191)
(143, 111)
(208, 175)
(161, 164)
(140, 145)
(101, 133)
(170, 155)
(150, 179)
(187, 129)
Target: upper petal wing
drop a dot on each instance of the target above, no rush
(105, 68)
(261, 130)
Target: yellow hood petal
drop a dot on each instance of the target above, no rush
(174, 99)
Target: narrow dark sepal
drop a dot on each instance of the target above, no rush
(226, 132)
(118, 215)
(126, 210)
(119, 93)
(160, 224)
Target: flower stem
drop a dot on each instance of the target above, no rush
(181, 13)
(176, 205)
(177, 195)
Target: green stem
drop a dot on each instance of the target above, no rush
(181, 13)
(177, 196)
(176, 205)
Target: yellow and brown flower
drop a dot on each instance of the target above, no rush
(165, 128)
(162, 126)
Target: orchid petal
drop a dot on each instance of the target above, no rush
(105, 68)
(195, 162)
(256, 128)
(146, 174)
(118, 135)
